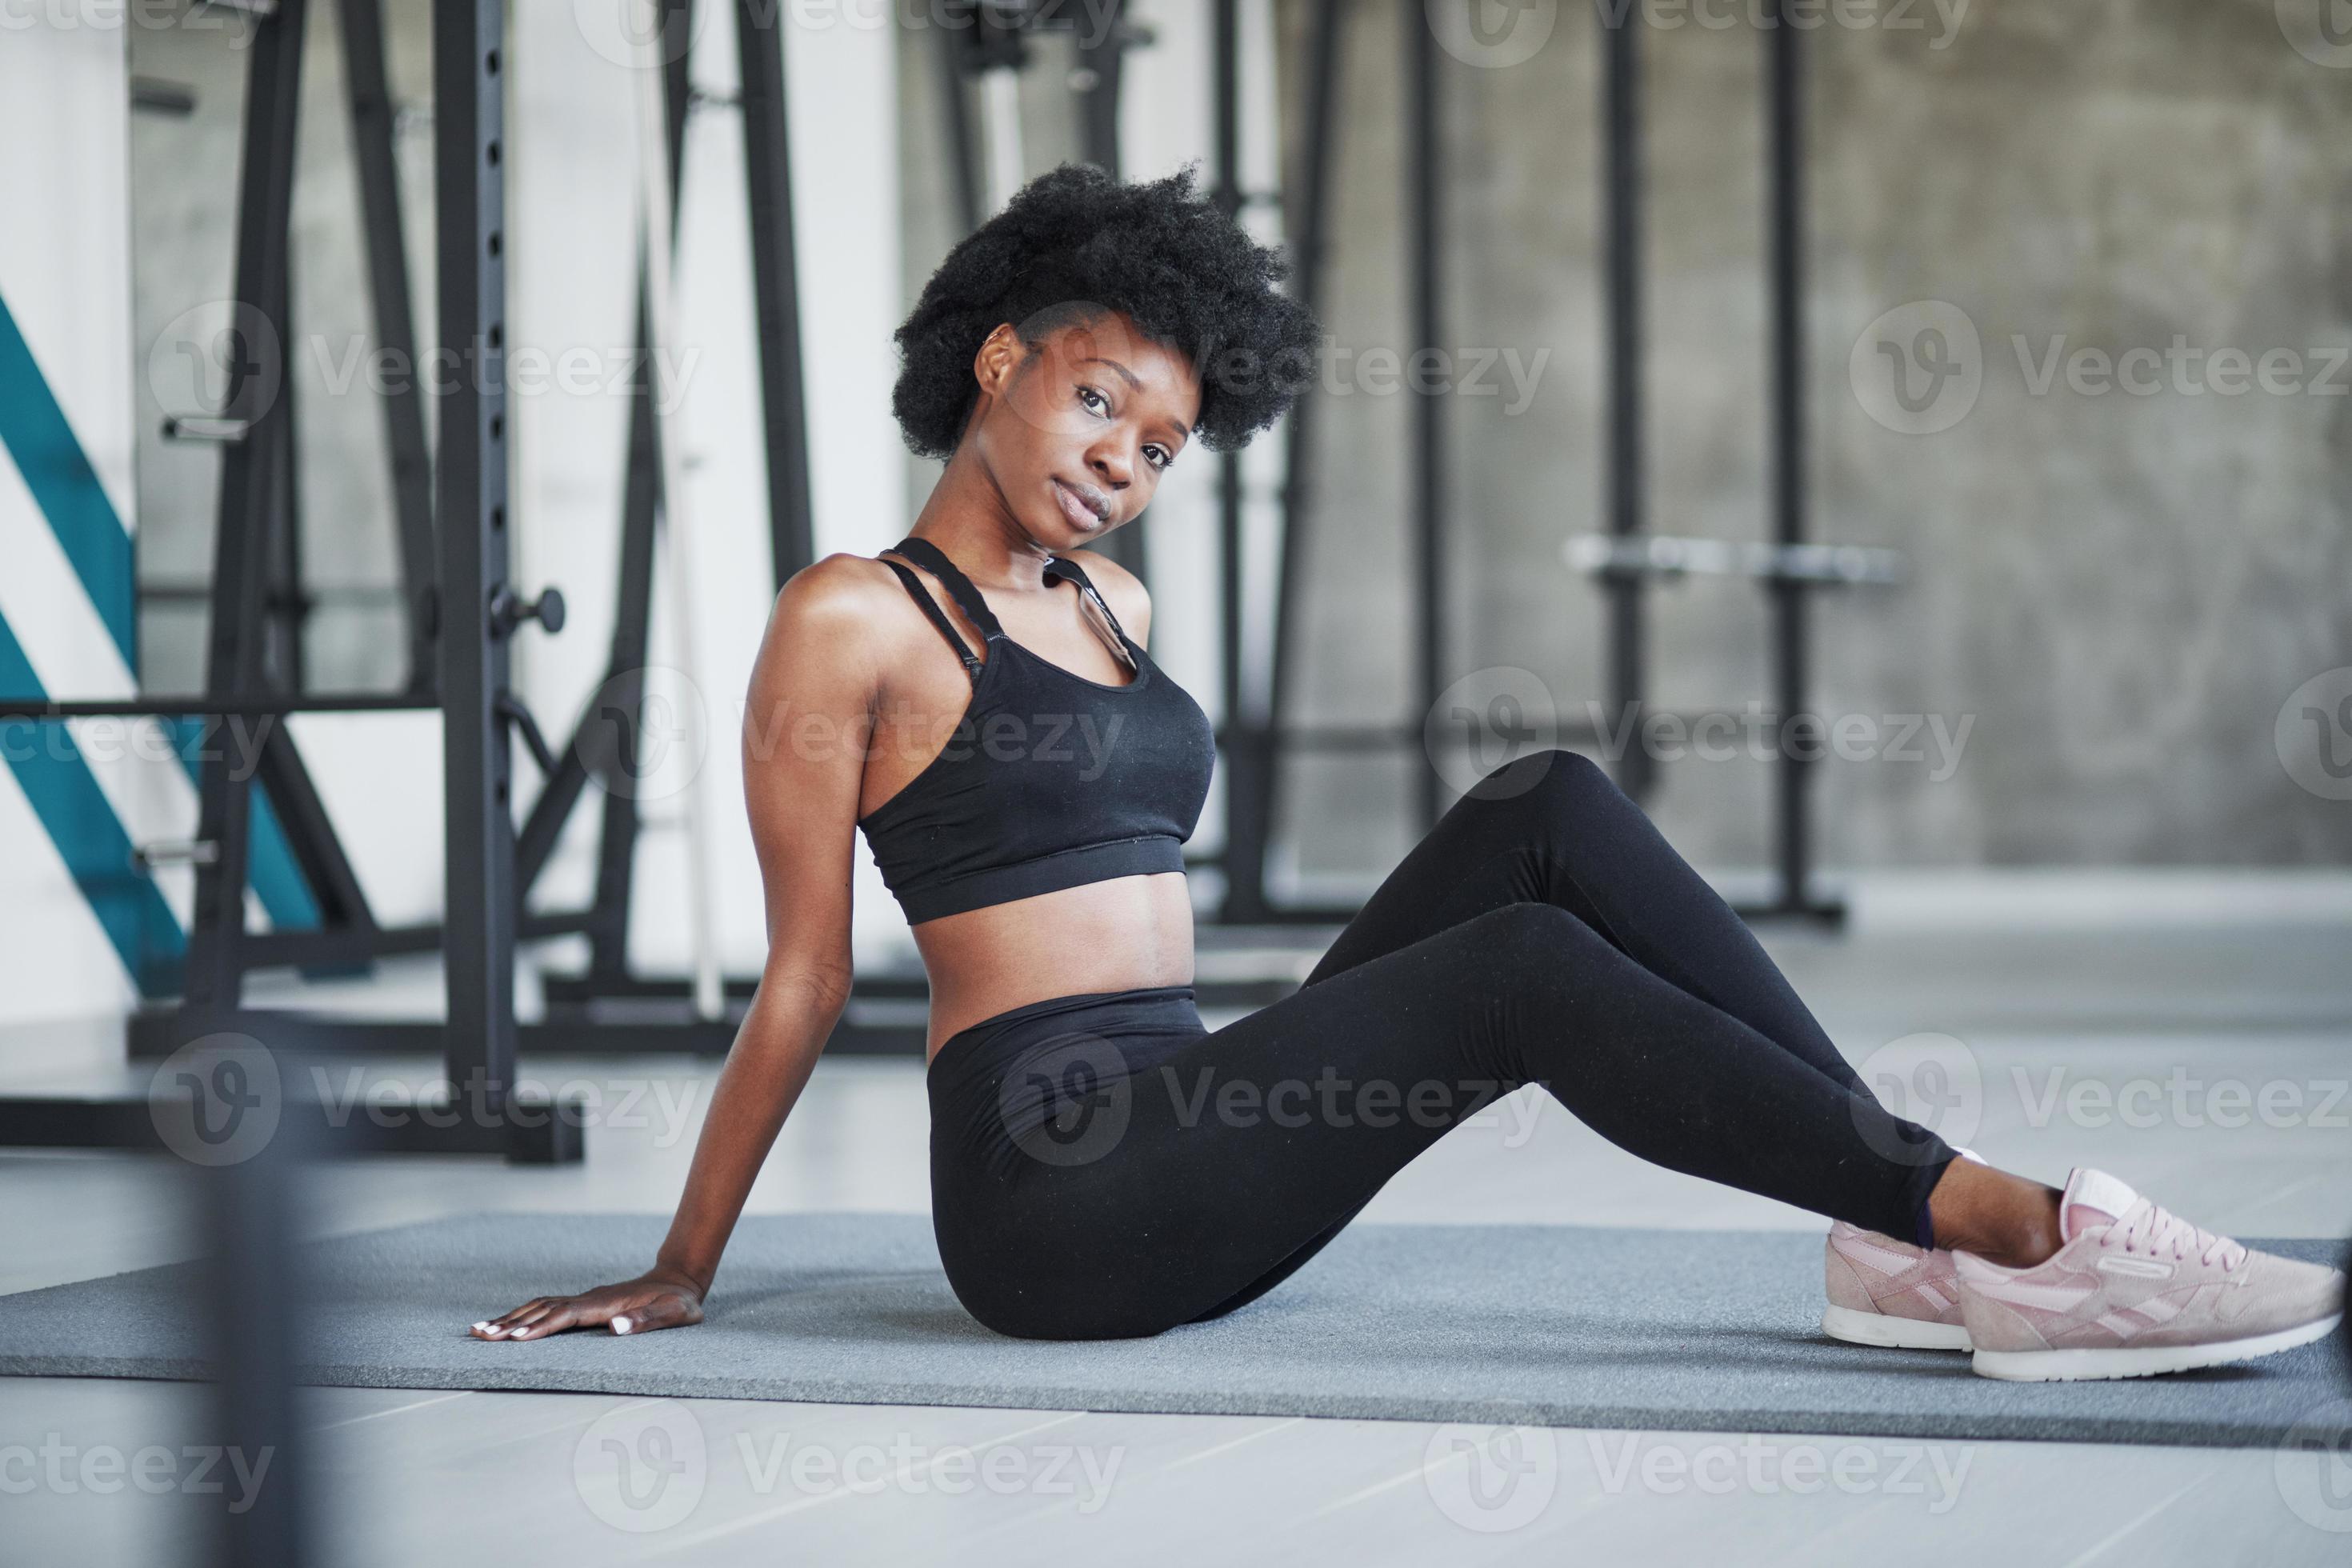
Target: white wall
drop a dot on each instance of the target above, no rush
(64, 275)
(575, 203)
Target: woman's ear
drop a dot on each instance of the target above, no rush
(1000, 353)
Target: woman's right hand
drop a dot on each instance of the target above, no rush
(657, 1299)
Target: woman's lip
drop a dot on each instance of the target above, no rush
(1075, 509)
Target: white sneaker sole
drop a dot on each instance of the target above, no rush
(1856, 1327)
(2125, 1361)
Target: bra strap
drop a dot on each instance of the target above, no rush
(938, 617)
(1058, 567)
(934, 560)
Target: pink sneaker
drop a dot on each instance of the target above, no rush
(2135, 1290)
(1884, 1291)
(1888, 1292)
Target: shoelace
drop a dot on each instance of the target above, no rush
(2159, 1229)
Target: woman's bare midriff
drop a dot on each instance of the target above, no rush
(1124, 934)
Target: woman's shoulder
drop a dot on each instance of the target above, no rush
(1129, 600)
(851, 606)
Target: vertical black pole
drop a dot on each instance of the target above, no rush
(1429, 410)
(1101, 46)
(1253, 819)
(1241, 754)
(250, 492)
(286, 605)
(254, 1309)
(1625, 492)
(775, 283)
(1785, 198)
(479, 931)
(955, 111)
(395, 324)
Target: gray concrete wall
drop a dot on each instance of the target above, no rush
(2118, 594)
(2119, 591)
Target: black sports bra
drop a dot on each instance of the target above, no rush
(1050, 779)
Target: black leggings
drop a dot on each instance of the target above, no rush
(1105, 1166)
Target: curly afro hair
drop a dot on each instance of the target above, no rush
(1188, 276)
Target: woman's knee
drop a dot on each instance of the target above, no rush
(1545, 780)
(1525, 937)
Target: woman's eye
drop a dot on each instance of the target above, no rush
(1157, 456)
(1090, 397)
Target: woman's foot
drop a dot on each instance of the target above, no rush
(1884, 1291)
(2134, 1290)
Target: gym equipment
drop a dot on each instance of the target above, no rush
(1623, 562)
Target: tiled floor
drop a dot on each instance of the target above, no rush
(2209, 1067)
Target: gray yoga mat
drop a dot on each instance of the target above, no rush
(1560, 1326)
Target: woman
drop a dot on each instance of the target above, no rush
(980, 703)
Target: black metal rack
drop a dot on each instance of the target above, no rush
(1625, 563)
(462, 609)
